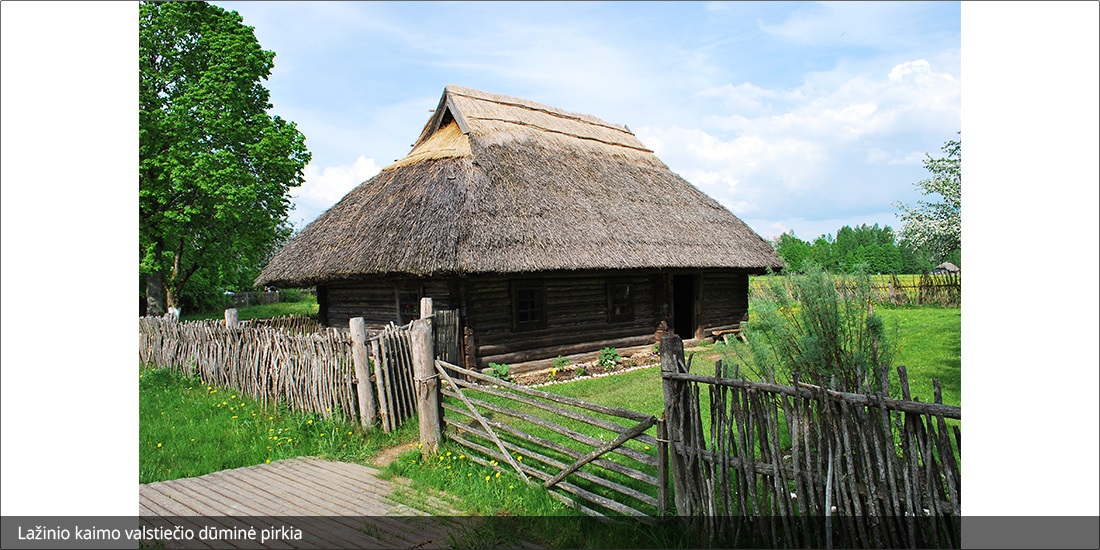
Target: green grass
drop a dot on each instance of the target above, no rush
(187, 428)
(306, 306)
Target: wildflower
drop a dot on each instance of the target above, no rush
(519, 457)
(498, 474)
(349, 433)
(192, 440)
(158, 445)
(469, 475)
(234, 416)
(234, 396)
(647, 447)
(322, 434)
(511, 486)
(487, 478)
(448, 452)
(310, 421)
(268, 460)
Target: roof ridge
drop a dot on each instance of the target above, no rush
(561, 133)
(534, 106)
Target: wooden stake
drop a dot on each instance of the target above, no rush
(427, 386)
(362, 372)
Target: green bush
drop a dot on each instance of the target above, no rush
(291, 295)
(820, 328)
(609, 357)
(501, 371)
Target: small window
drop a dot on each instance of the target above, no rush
(620, 302)
(408, 304)
(528, 305)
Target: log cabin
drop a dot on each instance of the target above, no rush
(553, 233)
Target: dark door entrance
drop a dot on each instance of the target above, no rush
(683, 305)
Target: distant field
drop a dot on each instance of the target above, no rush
(306, 306)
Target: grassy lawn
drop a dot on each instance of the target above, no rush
(306, 306)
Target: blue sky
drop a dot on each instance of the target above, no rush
(795, 116)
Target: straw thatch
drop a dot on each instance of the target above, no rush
(496, 184)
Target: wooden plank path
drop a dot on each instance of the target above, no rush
(335, 504)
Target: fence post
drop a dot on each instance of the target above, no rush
(677, 421)
(232, 318)
(362, 372)
(425, 307)
(427, 386)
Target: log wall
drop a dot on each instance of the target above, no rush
(577, 322)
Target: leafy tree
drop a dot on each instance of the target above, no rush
(214, 166)
(793, 251)
(936, 226)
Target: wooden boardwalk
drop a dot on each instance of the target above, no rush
(334, 504)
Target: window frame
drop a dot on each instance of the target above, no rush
(627, 316)
(521, 285)
(408, 289)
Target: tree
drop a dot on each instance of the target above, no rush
(793, 251)
(214, 166)
(936, 226)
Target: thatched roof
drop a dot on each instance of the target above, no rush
(506, 185)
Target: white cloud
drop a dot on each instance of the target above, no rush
(324, 187)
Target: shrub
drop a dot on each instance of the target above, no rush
(821, 328)
(560, 362)
(501, 371)
(609, 357)
(291, 295)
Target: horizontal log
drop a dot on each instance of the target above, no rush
(623, 438)
(560, 336)
(554, 351)
(810, 391)
(539, 364)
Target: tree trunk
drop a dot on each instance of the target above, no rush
(155, 297)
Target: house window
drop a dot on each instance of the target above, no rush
(528, 305)
(620, 302)
(408, 304)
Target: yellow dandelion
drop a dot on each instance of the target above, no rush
(498, 474)
(519, 458)
(192, 439)
(234, 396)
(288, 440)
(460, 457)
(448, 452)
(647, 447)
(234, 416)
(309, 421)
(268, 460)
(322, 435)
(469, 475)
(511, 486)
(487, 478)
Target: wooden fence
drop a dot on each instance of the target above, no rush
(802, 466)
(307, 371)
(295, 361)
(507, 427)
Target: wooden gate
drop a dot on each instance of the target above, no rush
(575, 448)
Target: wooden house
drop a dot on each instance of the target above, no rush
(553, 233)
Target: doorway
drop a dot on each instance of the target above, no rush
(683, 306)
